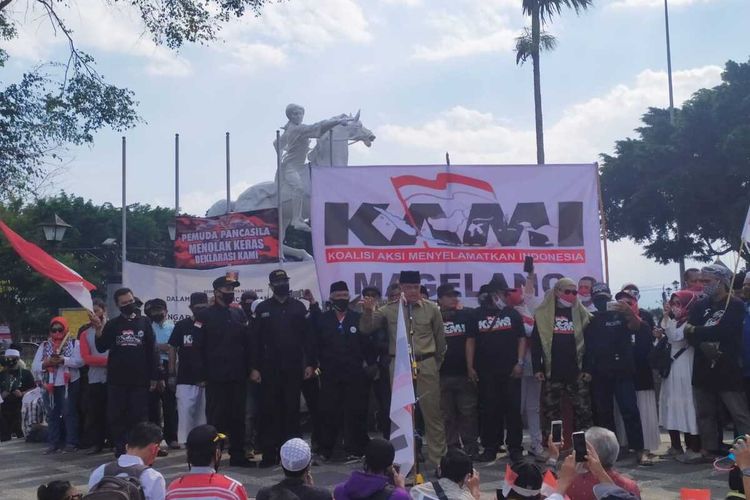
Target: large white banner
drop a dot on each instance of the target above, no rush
(176, 285)
(457, 224)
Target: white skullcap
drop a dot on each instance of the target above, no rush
(12, 352)
(295, 455)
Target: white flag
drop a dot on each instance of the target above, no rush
(746, 228)
(402, 399)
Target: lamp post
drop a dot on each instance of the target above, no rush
(172, 228)
(54, 231)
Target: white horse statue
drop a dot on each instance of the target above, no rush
(332, 149)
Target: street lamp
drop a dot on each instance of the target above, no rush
(676, 285)
(172, 228)
(55, 230)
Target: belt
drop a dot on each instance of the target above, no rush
(419, 357)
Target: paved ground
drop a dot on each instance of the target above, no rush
(23, 467)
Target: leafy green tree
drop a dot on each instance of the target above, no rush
(59, 104)
(533, 42)
(28, 300)
(693, 175)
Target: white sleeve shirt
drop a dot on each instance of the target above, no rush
(153, 483)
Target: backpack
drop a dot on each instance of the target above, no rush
(112, 487)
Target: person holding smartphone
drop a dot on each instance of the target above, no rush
(381, 478)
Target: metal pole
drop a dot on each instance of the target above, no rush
(277, 145)
(124, 208)
(330, 146)
(669, 62)
(228, 192)
(603, 222)
(176, 174)
(447, 159)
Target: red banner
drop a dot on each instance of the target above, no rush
(228, 240)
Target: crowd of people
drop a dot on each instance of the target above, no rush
(235, 372)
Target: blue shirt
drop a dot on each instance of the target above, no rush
(163, 332)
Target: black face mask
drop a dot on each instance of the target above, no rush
(227, 298)
(281, 290)
(340, 305)
(129, 309)
(10, 363)
(247, 309)
(158, 318)
(600, 303)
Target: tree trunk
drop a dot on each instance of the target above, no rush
(535, 35)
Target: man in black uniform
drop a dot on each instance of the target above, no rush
(609, 359)
(495, 354)
(458, 394)
(282, 357)
(131, 367)
(379, 369)
(226, 350)
(341, 350)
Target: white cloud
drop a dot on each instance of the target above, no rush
(248, 57)
(584, 130)
(476, 27)
(96, 26)
(407, 3)
(655, 3)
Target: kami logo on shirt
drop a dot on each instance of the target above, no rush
(129, 338)
(454, 329)
(495, 324)
(187, 340)
(715, 319)
(564, 326)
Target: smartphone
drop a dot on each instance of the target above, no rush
(612, 305)
(528, 264)
(579, 446)
(556, 430)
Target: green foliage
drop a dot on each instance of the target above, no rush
(28, 300)
(525, 45)
(683, 189)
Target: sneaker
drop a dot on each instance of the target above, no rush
(162, 453)
(691, 457)
(70, 449)
(675, 452)
(487, 456)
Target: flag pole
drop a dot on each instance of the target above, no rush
(176, 175)
(603, 223)
(734, 274)
(124, 209)
(418, 478)
(228, 192)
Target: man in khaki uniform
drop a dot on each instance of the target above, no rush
(424, 326)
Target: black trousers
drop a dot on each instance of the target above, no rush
(501, 402)
(162, 411)
(343, 406)
(279, 411)
(225, 410)
(604, 390)
(10, 418)
(382, 390)
(95, 428)
(311, 393)
(126, 406)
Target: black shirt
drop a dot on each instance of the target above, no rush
(132, 359)
(340, 346)
(609, 345)
(564, 355)
(16, 379)
(282, 336)
(296, 486)
(187, 338)
(497, 333)
(225, 343)
(458, 325)
(722, 330)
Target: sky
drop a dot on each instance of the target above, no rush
(429, 76)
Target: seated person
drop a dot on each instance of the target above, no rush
(296, 458)
(205, 446)
(379, 478)
(458, 480)
(523, 481)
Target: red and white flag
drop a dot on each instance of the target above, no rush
(51, 268)
(402, 399)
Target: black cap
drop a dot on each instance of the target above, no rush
(409, 277)
(155, 304)
(339, 286)
(203, 436)
(601, 289)
(277, 275)
(529, 475)
(198, 298)
(624, 294)
(370, 290)
(487, 289)
(447, 289)
(248, 295)
(498, 283)
(225, 281)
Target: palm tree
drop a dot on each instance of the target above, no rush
(531, 44)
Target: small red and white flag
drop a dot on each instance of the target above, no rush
(402, 400)
(51, 268)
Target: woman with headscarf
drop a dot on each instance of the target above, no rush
(676, 403)
(56, 364)
(557, 352)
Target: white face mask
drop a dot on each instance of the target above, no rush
(500, 303)
(564, 303)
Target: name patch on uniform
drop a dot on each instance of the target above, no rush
(265, 315)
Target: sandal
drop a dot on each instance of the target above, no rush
(643, 459)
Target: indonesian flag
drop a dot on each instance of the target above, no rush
(51, 268)
(402, 399)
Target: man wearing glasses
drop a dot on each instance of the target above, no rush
(557, 352)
